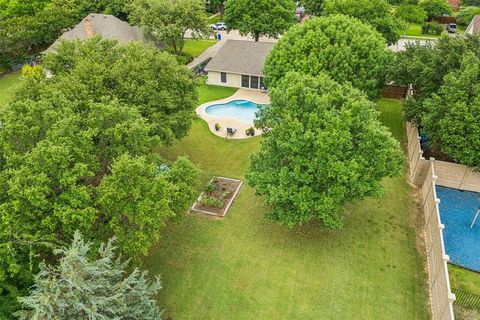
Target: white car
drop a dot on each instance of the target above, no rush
(219, 26)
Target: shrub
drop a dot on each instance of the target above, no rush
(210, 201)
(436, 28)
(426, 28)
(184, 58)
(210, 188)
(250, 131)
(217, 126)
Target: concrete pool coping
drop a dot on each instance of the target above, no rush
(255, 96)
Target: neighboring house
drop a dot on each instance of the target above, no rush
(239, 64)
(105, 25)
(474, 26)
(455, 4)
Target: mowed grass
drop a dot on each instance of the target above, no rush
(210, 93)
(245, 267)
(196, 47)
(8, 83)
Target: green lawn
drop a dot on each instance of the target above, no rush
(8, 82)
(464, 279)
(210, 93)
(215, 19)
(416, 30)
(245, 267)
(196, 47)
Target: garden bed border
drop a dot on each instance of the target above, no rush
(229, 204)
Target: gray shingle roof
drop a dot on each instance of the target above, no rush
(242, 57)
(106, 25)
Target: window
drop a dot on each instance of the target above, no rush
(245, 81)
(223, 77)
(262, 85)
(254, 82)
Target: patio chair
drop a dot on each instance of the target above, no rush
(231, 131)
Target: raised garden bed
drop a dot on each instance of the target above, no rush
(218, 196)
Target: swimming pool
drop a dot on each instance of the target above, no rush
(457, 210)
(242, 110)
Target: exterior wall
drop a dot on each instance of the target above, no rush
(233, 79)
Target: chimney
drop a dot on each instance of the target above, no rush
(89, 28)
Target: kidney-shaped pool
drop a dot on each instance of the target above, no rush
(242, 110)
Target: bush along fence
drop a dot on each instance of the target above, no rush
(441, 295)
(467, 299)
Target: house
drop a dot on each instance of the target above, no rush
(239, 64)
(455, 4)
(474, 26)
(106, 25)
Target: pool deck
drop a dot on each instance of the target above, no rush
(255, 96)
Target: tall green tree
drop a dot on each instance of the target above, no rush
(259, 18)
(313, 7)
(377, 13)
(343, 47)
(323, 147)
(435, 8)
(163, 91)
(452, 118)
(82, 287)
(411, 14)
(168, 21)
(71, 145)
(137, 196)
(425, 66)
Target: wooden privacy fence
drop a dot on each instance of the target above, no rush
(395, 92)
(441, 295)
(418, 164)
(467, 299)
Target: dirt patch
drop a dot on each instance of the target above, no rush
(218, 196)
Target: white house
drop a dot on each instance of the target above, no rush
(239, 64)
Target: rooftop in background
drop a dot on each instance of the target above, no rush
(474, 26)
(241, 57)
(105, 25)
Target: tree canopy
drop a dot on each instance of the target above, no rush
(435, 8)
(323, 146)
(411, 13)
(167, 21)
(82, 287)
(76, 152)
(313, 7)
(377, 13)
(260, 18)
(28, 27)
(424, 66)
(343, 47)
(452, 118)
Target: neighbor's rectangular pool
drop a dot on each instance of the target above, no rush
(457, 210)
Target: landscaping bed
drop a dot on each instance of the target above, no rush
(217, 197)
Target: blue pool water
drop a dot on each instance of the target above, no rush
(462, 243)
(242, 110)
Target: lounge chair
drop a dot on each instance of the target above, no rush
(231, 131)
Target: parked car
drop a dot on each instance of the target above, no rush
(219, 26)
(451, 27)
